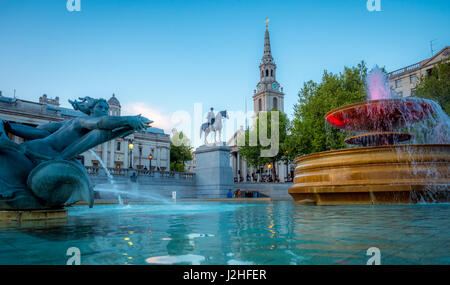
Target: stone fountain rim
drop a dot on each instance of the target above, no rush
(366, 149)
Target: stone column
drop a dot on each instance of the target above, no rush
(105, 153)
(158, 154)
(239, 168)
(281, 171)
(126, 163)
(111, 154)
(245, 170)
(233, 164)
(168, 156)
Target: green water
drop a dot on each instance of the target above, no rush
(260, 233)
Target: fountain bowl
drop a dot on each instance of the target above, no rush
(380, 115)
(374, 175)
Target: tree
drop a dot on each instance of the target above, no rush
(180, 151)
(309, 132)
(252, 153)
(436, 86)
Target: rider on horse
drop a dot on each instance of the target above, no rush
(210, 118)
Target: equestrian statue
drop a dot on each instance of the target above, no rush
(213, 124)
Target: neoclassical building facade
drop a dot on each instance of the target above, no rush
(152, 143)
(403, 81)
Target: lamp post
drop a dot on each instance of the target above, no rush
(140, 155)
(270, 169)
(150, 157)
(287, 165)
(130, 146)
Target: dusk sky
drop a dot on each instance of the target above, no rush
(159, 57)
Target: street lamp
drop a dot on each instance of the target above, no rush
(130, 146)
(150, 157)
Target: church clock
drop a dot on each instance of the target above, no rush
(259, 87)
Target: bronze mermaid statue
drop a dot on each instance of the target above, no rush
(43, 172)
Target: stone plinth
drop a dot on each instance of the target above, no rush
(32, 215)
(213, 173)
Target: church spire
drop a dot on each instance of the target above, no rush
(267, 57)
(269, 95)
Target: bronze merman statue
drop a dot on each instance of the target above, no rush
(42, 172)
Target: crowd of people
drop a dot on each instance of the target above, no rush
(243, 194)
(264, 178)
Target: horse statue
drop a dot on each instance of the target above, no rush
(214, 126)
(43, 172)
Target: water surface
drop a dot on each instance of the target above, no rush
(263, 233)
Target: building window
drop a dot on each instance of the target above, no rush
(400, 94)
(413, 78)
(398, 83)
(413, 92)
(271, 72)
(267, 72)
(118, 146)
(275, 103)
(259, 105)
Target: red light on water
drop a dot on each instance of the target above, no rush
(335, 121)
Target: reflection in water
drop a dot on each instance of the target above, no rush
(176, 259)
(232, 233)
(178, 231)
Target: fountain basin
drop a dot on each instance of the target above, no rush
(380, 115)
(374, 175)
(30, 215)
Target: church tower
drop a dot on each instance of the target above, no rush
(268, 95)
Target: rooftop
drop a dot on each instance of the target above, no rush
(55, 110)
(418, 65)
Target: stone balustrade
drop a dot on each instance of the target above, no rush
(127, 172)
(405, 69)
